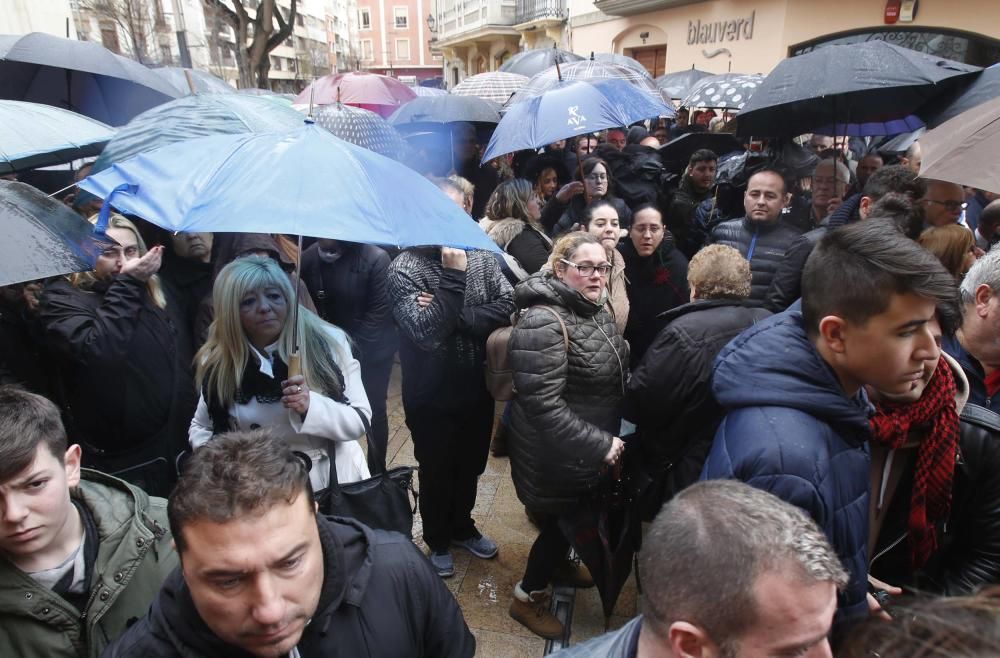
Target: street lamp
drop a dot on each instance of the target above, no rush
(431, 23)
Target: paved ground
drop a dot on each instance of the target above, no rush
(484, 587)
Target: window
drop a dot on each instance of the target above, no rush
(109, 36)
(366, 19)
(276, 63)
(366, 50)
(402, 49)
(402, 15)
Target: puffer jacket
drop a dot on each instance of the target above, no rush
(567, 407)
(790, 430)
(518, 239)
(769, 242)
(134, 557)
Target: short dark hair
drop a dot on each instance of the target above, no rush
(588, 166)
(991, 213)
(702, 155)
(855, 270)
(648, 205)
(588, 212)
(893, 178)
(234, 475)
(774, 172)
(906, 212)
(29, 420)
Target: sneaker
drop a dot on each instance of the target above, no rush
(532, 612)
(481, 546)
(443, 563)
(572, 574)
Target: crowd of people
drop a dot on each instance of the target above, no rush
(789, 374)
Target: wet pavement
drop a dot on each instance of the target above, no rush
(484, 588)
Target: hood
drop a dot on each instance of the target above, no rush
(502, 231)
(961, 381)
(545, 288)
(773, 363)
(229, 246)
(347, 564)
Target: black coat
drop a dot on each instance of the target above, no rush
(786, 285)
(379, 598)
(968, 554)
(351, 293)
(567, 407)
(559, 218)
(670, 394)
(189, 282)
(655, 284)
(680, 214)
(124, 365)
(773, 240)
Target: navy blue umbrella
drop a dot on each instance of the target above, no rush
(985, 88)
(571, 108)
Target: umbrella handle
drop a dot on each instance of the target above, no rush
(294, 364)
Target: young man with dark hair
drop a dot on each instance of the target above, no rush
(797, 422)
(261, 574)
(696, 186)
(81, 553)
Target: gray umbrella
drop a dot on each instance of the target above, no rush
(35, 135)
(531, 62)
(676, 85)
(446, 109)
(78, 75)
(204, 82)
(361, 127)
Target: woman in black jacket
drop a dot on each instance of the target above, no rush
(127, 388)
(564, 211)
(512, 215)
(569, 364)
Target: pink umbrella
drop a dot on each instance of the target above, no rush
(371, 91)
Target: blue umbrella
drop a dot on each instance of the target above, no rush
(449, 108)
(203, 81)
(304, 181)
(37, 135)
(906, 124)
(570, 108)
(985, 88)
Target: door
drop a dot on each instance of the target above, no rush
(653, 58)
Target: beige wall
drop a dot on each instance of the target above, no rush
(778, 24)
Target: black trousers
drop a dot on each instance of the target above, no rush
(375, 375)
(550, 548)
(451, 447)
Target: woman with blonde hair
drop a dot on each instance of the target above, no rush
(126, 387)
(953, 245)
(512, 215)
(242, 372)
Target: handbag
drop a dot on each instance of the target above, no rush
(381, 502)
(498, 372)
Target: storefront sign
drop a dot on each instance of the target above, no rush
(720, 31)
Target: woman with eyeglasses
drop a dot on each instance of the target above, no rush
(564, 212)
(655, 275)
(600, 219)
(569, 363)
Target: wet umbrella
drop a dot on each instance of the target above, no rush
(963, 149)
(677, 85)
(621, 60)
(677, 152)
(204, 82)
(446, 109)
(42, 237)
(570, 108)
(984, 88)
(78, 75)
(496, 86)
(530, 62)
(905, 124)
(726, 91)
(849, 83)
(362, 127)
(35, 135)
(585, 70)
(378, 93)
(429, 91)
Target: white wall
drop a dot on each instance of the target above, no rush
(23, 16)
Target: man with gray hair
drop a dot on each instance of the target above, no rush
(829, 183)
(976, 346)
(729, 570)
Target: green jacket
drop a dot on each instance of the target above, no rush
(134, 558)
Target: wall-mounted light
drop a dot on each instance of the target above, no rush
(644, 36)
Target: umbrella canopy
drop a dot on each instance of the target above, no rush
(42, 237)
(677, 152)
(570, 108)
(530, 62)
(726, 91)
(963, 149)
(429, 91)
(858, 82)
(446, 109)
(677, 85)
(35, 135)
(362, 127)
(986, 87)
(204, 82)
(906, 124)
(303, 181)
(496, 86)
(585, 70)
(378, 93)
(196, 116)
(621, 60)
(78, 75)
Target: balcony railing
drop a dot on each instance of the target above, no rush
(533, 10)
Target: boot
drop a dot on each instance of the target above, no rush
(499, 444)
(532, 611)
(572, 574)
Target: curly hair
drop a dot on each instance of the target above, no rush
(719, 272)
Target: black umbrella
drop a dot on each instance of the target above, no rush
(849, 83)
(676, 153)
(985, 88)
(426, 110)
(677, 85)
(78, 75)
(531, 62)
(42, 237)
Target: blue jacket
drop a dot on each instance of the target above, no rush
(790, 430)
(974, 373)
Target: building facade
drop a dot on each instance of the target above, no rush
(752, 36)
(24, 16)
(394, 39)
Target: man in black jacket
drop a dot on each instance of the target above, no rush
(262, 575)
(696, 186)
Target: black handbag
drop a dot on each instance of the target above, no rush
(381, 502)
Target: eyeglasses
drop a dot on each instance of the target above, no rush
(588, 270)
(651, 230)
(951, 206)
(597, 178)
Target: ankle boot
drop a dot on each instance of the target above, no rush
(572, 574)
(532, 611)
(499, 444)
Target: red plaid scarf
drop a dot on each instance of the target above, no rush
(930, 500)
